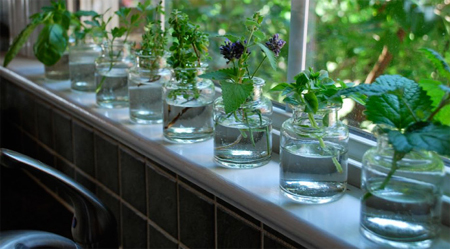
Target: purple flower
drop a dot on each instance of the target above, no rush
(275, 44)
(232, 50)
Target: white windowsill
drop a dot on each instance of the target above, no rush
(255, 191)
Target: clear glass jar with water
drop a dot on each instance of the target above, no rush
(145, 82)
(82, 58)
(112, 74)
(243, 139)
(187, 106)
(313, 155)
(60, 70)
(402, 203)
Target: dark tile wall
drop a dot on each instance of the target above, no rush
(154, 207)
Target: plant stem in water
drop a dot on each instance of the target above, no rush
(395, 158)
(323, 145)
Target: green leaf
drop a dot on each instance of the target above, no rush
(51, 44)
(260, 35)
(399, 141)
(222, 74)
(234, 95)
(292, 100)
(18, 43)
(428, 136)
(312, 104)
(85, 13)
(399, 108)
(438, 61)
(443, 115)
(382, 84)
(251, 23)
(279, 87)
(270, 55)
(118, 32)
(432, 89)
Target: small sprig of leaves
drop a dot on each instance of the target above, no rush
(130, 23)
(154, 40)
(236, 81)
(52, 40)
(188, 49)
(314, 91)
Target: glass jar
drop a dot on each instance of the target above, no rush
(112, 74)
(82, 65)
(402, 203)
(145, 81)
(243, 139)
(187, 106)
(60, 70)
(313, 156)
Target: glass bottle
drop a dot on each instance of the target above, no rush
(243, 139)
(112, 74)
(60, 70)
(187, 106)
(313, 156)
(82, 65)
(402, 203)
(145, 81)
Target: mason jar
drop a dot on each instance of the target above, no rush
(243, 139)
(313, 155)
(187, 106)
(112, 74)
(402, 202)
(145, 82)
(82, 58)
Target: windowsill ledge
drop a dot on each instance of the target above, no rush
(255, 191)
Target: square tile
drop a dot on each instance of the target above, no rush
(44, 124)
(113, 205)
(29, 146)
(238, 212)
(232, 232)
(63, 135)
(88, 184)
(134, 229)
(46, 157)
(11, 136)
(196, 220)
(107, 165)
(132, 174)
(281, 237)
(271, 242)
(83, 142)
(29, 115)
(196, 187)
(159, 240)
(162, 200)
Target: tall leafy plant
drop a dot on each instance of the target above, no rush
(52, 40)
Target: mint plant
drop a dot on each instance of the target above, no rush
(314, 91)
(52, 40)
(415, 116)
